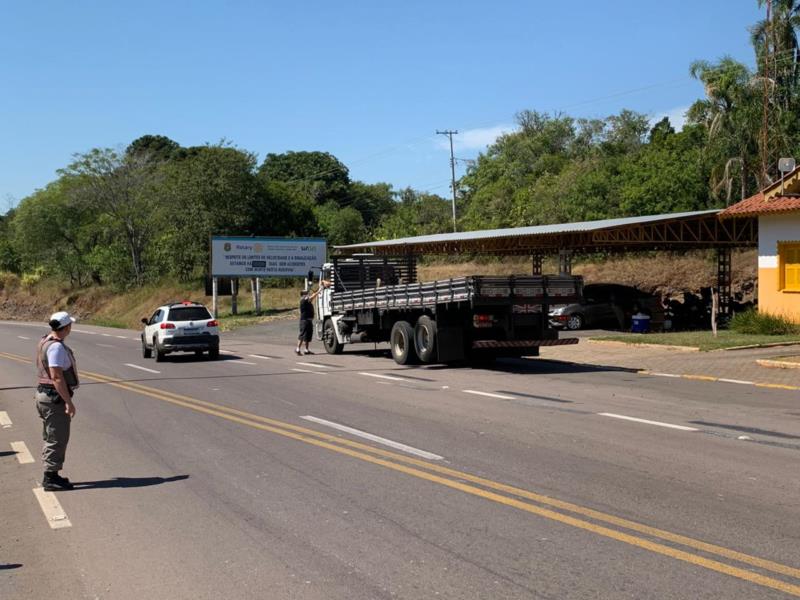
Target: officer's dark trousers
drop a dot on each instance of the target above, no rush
(55, 429)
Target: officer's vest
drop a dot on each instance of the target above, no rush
(70, 375)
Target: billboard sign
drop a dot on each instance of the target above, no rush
(266, 257)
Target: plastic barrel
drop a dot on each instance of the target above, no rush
(640, 323)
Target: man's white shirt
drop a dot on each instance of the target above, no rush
(57, 356)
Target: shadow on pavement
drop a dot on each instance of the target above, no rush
(6, 566)
(8, 453)
(126, 482)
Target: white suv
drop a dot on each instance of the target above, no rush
(180, 327)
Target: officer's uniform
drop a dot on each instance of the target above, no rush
(53, 352)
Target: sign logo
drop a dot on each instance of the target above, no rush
(258, 248)
(227, 247)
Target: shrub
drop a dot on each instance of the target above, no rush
(756, 323)
(8, 281)
(29, 280)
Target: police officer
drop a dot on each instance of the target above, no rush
(58, 379)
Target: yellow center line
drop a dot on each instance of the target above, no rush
(344, 446)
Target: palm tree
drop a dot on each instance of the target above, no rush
(777, 48)
(731, 114)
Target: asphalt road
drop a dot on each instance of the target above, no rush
(234, 479)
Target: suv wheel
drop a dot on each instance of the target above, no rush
(160, 354)
(146, 352)
(575, 322)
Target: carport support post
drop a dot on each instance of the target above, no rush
(565, 262)
(215, 296)
(536, 264)
(724, 280)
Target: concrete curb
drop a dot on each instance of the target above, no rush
(635, 344)
(777, 364)
(770, 345)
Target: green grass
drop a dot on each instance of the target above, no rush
(704, 340)
(756, 323)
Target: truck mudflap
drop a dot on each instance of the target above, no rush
(487, 344)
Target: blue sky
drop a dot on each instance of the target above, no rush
(369, 82)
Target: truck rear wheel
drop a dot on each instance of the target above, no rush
(425, 339)
(329, 339)
(401, 340)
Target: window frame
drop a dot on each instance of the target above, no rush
(783, 249)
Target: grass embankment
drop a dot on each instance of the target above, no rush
(110, 308)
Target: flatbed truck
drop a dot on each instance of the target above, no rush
(476, 318)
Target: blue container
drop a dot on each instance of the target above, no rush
(640, 323)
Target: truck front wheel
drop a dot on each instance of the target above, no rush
(425, 339)
(401, 340)
(329, 339)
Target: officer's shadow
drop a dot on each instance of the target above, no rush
(126, 482)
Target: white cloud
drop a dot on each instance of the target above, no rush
(475, 139)
(677, 117)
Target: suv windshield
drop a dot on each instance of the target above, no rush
(189, 313)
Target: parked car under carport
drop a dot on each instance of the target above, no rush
(606, 304)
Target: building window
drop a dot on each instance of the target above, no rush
(789, 266)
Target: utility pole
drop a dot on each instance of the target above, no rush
(450, 134)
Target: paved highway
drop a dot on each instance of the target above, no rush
(267, 475)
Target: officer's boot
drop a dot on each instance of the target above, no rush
(53, 482)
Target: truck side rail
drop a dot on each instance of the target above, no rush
(541, 289)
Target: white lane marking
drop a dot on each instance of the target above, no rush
(22, 337)
(105, 345)
(5, 420)
(122, 337)
(132, 366)
(389, 377)
(664, 375)
(242, 362)
(227, 352)
(489, 394)
(106, 334)
(647, 422)
(23, 454)
(309, 371)
(739, 381)
(51, 507)
(315, 365)
(261, 356)
(375, 438)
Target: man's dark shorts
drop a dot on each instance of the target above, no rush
(306, 330)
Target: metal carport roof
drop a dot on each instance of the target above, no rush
(671, 231)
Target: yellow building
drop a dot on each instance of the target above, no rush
(778, 210)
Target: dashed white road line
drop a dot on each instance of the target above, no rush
(24, 455)
(315, 365)
(132, 366)
(22, 337)
(309, 371)
(5, 420)
(664, 375)
(122, 337)
(389, 377)
(242, 362)
(227, 352)
(648, 422)
(489, 395)
(739, 381)
(375, 438)
(105, 345)
(106, 334)
(261, 356)
(51, 507)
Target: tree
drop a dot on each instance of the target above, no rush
(157, 148)
(319, 175)
(374, 201)
(731, 115)
(340, 226)
(121, 188)
(417, 213)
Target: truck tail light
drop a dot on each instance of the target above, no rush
(213, 323)
(167, 326)
(480, 321)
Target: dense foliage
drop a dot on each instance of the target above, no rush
(125, 217)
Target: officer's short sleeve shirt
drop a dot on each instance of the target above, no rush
(57, 356)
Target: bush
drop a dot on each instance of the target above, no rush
(29, 280)
(8, 281)
(756, 323)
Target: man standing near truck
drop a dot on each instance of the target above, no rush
(306, 328)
